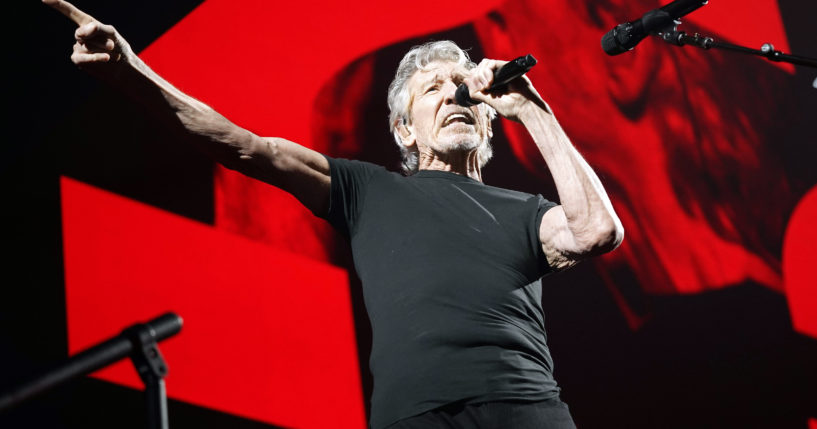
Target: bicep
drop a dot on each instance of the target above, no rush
(296, 169)
(557, 240)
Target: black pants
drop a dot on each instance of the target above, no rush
(548, 414)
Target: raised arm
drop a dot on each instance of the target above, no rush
(104, 53)
(585, 223)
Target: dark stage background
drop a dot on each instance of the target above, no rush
(706, 317)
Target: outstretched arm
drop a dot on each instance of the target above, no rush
(585, 223)
(104, 53)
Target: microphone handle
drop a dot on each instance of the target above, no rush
(502, 77)
(680, 8)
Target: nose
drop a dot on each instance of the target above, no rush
(449, 89)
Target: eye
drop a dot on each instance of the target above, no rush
(431, 88)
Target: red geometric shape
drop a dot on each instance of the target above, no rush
(267, 335)
(262, 63)
(799, 262)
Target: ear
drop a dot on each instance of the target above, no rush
(406, 133)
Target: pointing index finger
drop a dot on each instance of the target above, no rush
(79, 17)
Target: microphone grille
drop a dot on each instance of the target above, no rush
(610, 44)
(462, 96)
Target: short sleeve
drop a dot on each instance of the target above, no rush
(349, 183)
(543, 206)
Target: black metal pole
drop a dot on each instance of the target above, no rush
(151, 366)
(680, 38)
(88, 361)
(156, 403)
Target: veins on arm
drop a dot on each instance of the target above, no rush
(565, 247)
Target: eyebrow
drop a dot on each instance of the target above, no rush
(439, 76)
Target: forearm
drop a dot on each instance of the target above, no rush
(589, 212)
(188, 118)
(103, 52)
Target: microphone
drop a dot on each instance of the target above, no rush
(502, 77)
(625, 36)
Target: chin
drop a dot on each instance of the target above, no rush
(460, 143)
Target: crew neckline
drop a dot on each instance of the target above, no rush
(444, 175)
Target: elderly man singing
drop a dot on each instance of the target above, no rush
(451, 267)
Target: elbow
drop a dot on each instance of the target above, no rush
(609, 235)
(614, 238)
(605, 236)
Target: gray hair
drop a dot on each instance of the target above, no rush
(418, 58)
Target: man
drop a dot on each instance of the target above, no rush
(450, 267)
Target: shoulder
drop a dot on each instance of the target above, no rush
(347, 171)
(353, 165)
(535, 201)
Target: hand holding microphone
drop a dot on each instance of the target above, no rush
(502, 77)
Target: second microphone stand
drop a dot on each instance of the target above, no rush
(679, 38)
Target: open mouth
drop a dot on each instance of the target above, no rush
(458, 118)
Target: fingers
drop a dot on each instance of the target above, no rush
(482, 76)
(85, 59)
(79, 17)
(98, 51)
(94, 30)
(96, 43)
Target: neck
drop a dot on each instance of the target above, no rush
(464, 164)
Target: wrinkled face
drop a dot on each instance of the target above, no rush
(437, 122)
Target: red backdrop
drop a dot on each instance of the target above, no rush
(685, 141)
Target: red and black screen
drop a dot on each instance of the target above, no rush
(706, 316)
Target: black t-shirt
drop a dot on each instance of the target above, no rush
(451, 274)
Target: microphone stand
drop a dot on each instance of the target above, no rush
(679, 38)
(139, 342)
